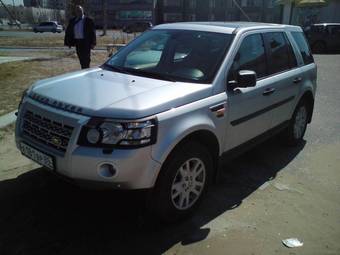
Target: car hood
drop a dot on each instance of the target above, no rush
(102, 93)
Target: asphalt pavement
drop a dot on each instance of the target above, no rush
(268, 194)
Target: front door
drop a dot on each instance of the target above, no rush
(248, 107)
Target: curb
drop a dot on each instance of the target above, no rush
(7, 119)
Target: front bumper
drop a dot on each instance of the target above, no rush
(134, 168)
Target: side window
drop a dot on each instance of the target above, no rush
(250, 56)
(291, 54)
(334, 30)
(303, 47)
(281, 57)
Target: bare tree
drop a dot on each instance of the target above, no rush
(104, 5)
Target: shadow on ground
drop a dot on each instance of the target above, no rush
(40, 214)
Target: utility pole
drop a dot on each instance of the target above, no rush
(154, 12)
(14, 10)
(184, 10)
(104, 3)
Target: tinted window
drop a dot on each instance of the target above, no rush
(318, 29)
(334, 30)
(291, 54)
(280, 53)
(303, 47)
(250, 56)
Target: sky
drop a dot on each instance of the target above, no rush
(16, 2)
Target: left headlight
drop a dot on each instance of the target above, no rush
(110, 133)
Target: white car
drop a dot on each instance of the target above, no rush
(163, 111)
(50, 26)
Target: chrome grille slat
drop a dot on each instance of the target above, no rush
(47, 131)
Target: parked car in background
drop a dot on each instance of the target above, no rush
(323, 37)
(163, 110)
(137, 27)
(14, 23)
(50, 26)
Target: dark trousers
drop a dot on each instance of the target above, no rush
(84, 52)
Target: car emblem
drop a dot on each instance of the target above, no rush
(56, 141)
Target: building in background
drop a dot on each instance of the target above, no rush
(219, 10)
(122, 12)
(32, 15)
(306, 12)
(48, 4)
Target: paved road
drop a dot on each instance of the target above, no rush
(266, 195)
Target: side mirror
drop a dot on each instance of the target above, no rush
(244, 79)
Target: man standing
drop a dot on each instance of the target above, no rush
(81, 33)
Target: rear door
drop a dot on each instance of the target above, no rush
(284, 76)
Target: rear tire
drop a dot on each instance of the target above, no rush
(293, 134)
(182, 182)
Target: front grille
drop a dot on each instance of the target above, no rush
(47, 131)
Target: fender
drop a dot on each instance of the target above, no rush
(176, 124)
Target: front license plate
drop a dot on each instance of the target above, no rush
(37, 156)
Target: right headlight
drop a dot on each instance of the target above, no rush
(110, 133)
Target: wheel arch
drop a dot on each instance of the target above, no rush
(309, 99)
(203, 136)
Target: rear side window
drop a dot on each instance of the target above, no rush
(303, 47)
(250, 56)
(317, 29)
(334, 30)
(281, 56)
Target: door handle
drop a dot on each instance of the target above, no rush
(297, 80)
(268, 92)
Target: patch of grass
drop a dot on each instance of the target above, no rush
(36, 54)
(18, 76)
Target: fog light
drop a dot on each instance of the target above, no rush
(107, 170)
(93, 136)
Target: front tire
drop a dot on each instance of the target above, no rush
(294, 133)
(182, 182)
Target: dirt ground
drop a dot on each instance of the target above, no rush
(271, 193)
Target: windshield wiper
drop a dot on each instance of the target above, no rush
(160, 76)
(139, 72)
(117, 69)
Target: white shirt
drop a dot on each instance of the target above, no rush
(79, 29)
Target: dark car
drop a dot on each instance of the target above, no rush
(137, 27)
(323, 37)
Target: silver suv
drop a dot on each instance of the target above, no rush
(161, 112)
(50, 26)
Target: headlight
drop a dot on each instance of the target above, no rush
(109, 133)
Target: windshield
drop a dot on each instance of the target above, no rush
(176, 55)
